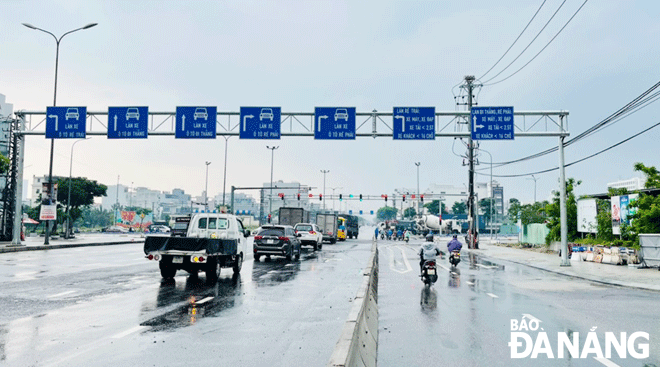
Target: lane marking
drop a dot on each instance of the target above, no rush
(442, 266)
(405, 260)
(454, 273)
(492, 295)
(469, 283)
(606, 362)
(60, 294)
(203, 301)
(487, 266)
(128, 332)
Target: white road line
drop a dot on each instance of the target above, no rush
(128, 332)
(469, 283)
(405, 260)
(454, 273)
(486, 266)
(60, 294)
(606, 362)
(492, 295)
(442, 266)
(203, 301)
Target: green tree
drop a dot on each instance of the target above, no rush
(386, 213)
(652, 175)
(409, 213)
(604, 220)
(4, 164)
(459, 207)
(533, 213)
(94, 217)
(514, 210)
(83, 192)
(553, 211)
(435, 206)
(646, 218)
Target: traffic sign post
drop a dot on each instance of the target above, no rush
(334, 123)
(196, 122)
(66, 122)
(260, 122)
(492, 123)
(413, 123)
(128, 122)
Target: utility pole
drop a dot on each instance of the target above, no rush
(418, 164)
(324, 171)
(472, 207)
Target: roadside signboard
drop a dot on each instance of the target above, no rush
(260, 122)
(65, 122)
(413, 123)
(492, 123)
(128, 122)
(334, 123)
(48, 212)
(196, 122)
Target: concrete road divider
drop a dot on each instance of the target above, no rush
(358, 343)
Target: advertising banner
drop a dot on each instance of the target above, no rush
(616, 214)
(586, 216)
(48, 212)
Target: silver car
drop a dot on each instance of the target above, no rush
(310, 235)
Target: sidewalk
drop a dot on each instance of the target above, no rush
(624, 276)
(81, 240)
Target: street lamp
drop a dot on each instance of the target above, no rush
(418, 164)
(67, 234)
(52, 141)
(333, 197)
(270, 199)
(534, 178)
(490, 216)
(324, 171)
(206, 192)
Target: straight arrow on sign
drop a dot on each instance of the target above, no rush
(183, 122)
(115, 122)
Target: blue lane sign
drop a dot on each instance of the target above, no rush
(128, 122)
(350, 212)
(372, 212)
(195, 122)
(492, 123)
(360, 212)
(260, 122)
(66, 122)
(413, 123)
(334, 123)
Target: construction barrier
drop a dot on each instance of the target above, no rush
(358, 343)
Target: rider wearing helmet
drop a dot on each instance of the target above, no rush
(428, 251)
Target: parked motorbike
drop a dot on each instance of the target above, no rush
(455, 257)
(429, 272)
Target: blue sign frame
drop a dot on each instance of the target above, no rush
(66, 122)
(334, 123)
(128, 122)
(260, 123)
(196, 122)
(492, 123)
(413, 123)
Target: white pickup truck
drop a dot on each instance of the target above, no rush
(213, 241)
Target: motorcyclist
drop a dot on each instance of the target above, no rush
(399, 234)
(428, 251)
(454, 245)
(389, 234)
(406, 235)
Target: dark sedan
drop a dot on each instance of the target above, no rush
(277, 241)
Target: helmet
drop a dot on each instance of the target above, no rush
(455, 236)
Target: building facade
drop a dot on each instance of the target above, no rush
(632, 184)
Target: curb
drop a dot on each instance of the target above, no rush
(600, 281)
(21, 248)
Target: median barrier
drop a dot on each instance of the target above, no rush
(358, 342)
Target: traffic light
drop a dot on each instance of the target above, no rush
(320, 197)
(340, 198)
(269, 217)
(350, 196)
(281, 195)
(404, 198)
(421, 198)
(360, 197)
(385, 198)
(298, 197)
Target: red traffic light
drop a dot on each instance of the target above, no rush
(320, 197)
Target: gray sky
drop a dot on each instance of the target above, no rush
(302, 54)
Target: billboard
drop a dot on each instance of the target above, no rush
(620, 212)
(586, 216)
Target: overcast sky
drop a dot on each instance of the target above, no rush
(302, 54)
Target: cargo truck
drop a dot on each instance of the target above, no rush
(293, 216)
(352, 226)
(328, 225)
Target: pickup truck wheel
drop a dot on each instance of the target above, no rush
(213, 270)
(238, 264)
(167, 272)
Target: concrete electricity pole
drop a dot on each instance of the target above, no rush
(472, 205)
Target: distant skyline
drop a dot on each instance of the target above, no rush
(298, 55)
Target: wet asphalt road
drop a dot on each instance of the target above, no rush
(465, 318)
(107, 306)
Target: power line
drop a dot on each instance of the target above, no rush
(544, 47)
(514, 42)
(530, 43)
(582, 159)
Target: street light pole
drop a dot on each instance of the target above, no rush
(490, 216)
(116, 202)
(534, 178)
(224, 180)
(333, 197)
(52, 141)
(324, 171)
(68, 200)
(206, 192)
(418, 164)
(270, 199)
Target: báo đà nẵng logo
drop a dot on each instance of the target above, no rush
(530, 340)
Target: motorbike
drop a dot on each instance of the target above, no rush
(429, 272)
(382, 235)
(407, 239)
(455, 257)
